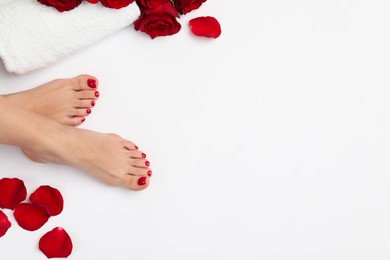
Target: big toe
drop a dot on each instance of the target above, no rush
(135, 183)
(85, 82)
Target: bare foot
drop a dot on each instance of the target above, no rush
(108, 157)
(68, 101)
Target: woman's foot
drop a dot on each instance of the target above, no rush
(68, 101)
(108, 157)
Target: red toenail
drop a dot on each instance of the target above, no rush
(143, 155)
(97, 94)
(147, 163)
(136, 147)
(82, 120)
(142, 181)
(149, 173)
(93, 103)
(91, 83)
(89, 111)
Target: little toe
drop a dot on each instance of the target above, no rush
(129, 145)
(74, 121)
(85, 82)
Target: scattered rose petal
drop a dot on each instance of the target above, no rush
(93, 1)
(4, 223)
(206, 26)
(56, 243)
(49, 198)
(30, 217)
(12, 192)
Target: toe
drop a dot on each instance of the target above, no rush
(85, 103)
(81, 112)
(74, 121)
(143, 163)
(136, 171)
(87, 94)
(137, 154)
(135, 183)
(85, 82)
(129, 145)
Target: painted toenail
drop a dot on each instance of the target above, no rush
(143, 155)
(89, 111)
(91, 83)
(97, 94)
(82, 120)
(142, 181)
(136, 147)
(149, 173)
(93, 103)
(147, 163)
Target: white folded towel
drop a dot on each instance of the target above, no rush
(33, 35)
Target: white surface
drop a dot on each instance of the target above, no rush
(271, 142)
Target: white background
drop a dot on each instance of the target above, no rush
(270, 142)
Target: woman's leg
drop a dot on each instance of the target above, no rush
(107, 157)
(68, 101)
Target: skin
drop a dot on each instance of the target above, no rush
(33, 119)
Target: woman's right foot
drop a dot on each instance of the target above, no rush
(68, 101)
(108, 157)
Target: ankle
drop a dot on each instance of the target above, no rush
(49, 143)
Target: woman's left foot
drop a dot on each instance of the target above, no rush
(68, 101)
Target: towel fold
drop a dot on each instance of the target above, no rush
(33, 35)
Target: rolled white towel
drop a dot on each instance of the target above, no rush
(33, 35)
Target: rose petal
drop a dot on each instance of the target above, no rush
(186, 6)
(12, 192)
(93, 1)
(4, 223)
(49, 198)
(30, 217)
(206, 26)
(116, 4)
(56, 243)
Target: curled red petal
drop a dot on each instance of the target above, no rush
(93, 1)
(12, 192)
(206, 26)
(4, 223)
(30, 217)
(56, 243)
(49, 198)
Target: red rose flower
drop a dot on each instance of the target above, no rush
(159, 21)
(206, 26)
(12, 192)
(30, 217)
(116, 4)
(4, 223)
(186, 6)
(61, 5)
(56, 243)
(150, 4)
(49, 198)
